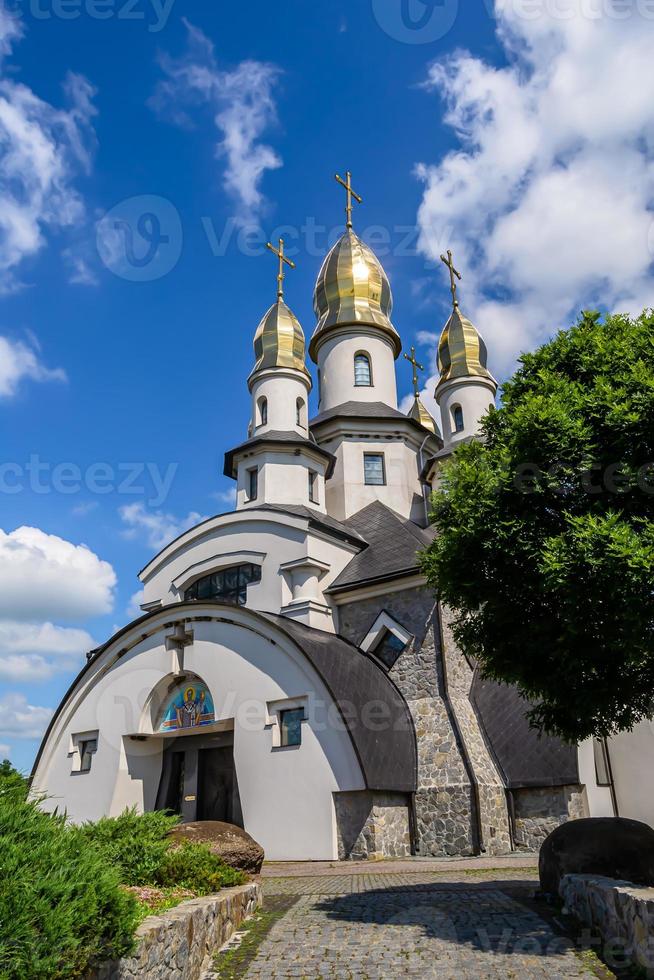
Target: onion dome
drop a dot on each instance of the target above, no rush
(421, 415)
(352, 289)
(461, 351)
(279, 341)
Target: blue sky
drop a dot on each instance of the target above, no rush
(146, 156)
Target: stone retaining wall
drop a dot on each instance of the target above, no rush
(621, 912)
(180, 943)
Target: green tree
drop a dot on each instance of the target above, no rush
(545, 532)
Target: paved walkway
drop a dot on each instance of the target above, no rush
(451, 924)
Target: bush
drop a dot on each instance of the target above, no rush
(191, 864)
(135, 843)
(62, 908)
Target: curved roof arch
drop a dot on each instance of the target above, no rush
(371, 708)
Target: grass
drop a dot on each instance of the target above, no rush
(234, 961)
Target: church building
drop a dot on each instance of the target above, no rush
(291, 672)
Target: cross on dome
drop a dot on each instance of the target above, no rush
(349, 194)
(279, 252)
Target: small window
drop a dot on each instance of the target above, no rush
(299, 413)
(290, 726)
(389, 648)
(253, 484)
(263, 411)
(83, 748)
(457, 418)
(373, 469)
(362, 372)
(313, 486)
(602, 765)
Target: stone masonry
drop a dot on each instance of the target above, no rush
(540, 811)
(436, 684)
(372, 825)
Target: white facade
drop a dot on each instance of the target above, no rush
(630, 764)
(281, 397)
(473, 397)
(252, 670)
(336, 356)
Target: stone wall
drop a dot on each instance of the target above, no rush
(445, 728)
(540, 811)
(179, 943)
(622, 914)
(372, 825)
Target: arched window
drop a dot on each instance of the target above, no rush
(362, 370)
(229, 585)
(299, 412)
(263, 411)
(457, 418)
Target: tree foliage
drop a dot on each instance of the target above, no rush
(545, 543)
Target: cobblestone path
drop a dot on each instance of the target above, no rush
(366, 927)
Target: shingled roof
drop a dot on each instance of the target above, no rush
(525, 757)
(369, 410)
(393, 545)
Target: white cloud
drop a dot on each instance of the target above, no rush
(80, 272)
(5, 751)
(37, 651)
(243, 106)
(18, 719)
(20, 361)
(42, 150)
(225, 496)
(134, 610)
(158, 528)
(547, 201)
(45, 577)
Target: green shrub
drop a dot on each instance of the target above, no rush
(62, 908)
(135, 843)
(191, 864)
(11, 781)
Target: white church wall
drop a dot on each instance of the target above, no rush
(599, 799)
(347, 492)
(248, 537)
(474, 395)
(632, 763)
(282, 391)
(336, 365)
(285, 793)
(283, 478)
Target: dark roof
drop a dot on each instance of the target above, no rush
(318, 520)
(280, 439)
(393, 544)
(525, 757)
(386, 749)
(368, 410)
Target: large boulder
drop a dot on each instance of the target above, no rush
(229, 842)
(613, 847)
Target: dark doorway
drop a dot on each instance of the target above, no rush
(198, 779)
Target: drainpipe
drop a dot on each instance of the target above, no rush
(421, 464)
(614, 795)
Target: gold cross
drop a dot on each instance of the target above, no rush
(453, 272)
(347, 184)
(279, 252)
(416, 367)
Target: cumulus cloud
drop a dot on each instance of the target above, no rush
(37, 651)
(547, 199)
(134, 607)
(42, 150)
(243, 109)
(227, 497)
(20, 361)
(18, 719)
(5, 751)
(157, 527)
(44, 577)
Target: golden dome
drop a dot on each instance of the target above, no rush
(279, 341)
(421, 415)
(352, 288)
(461, 351)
